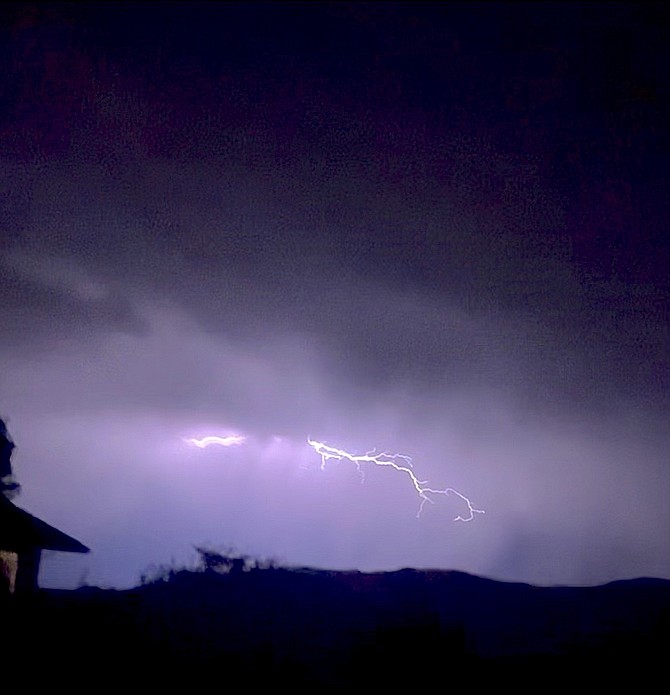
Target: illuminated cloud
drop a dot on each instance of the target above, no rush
(228, 440)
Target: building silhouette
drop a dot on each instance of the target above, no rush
(22, 535)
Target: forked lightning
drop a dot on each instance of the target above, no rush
(398, 462)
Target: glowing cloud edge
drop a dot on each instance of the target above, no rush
(230, 440)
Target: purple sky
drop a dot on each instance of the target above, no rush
(441, 232)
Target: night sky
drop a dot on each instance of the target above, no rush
(434, 230)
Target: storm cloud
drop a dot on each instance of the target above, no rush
(421, 231)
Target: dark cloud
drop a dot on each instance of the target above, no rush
(47, 300)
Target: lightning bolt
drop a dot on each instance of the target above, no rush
(398, 462)
(230, 440)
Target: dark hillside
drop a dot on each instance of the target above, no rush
(306, 628)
